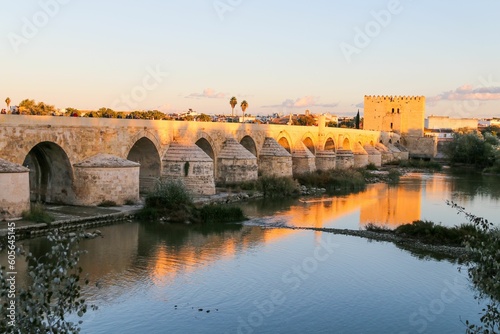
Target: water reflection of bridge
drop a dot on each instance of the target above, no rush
(379, 203)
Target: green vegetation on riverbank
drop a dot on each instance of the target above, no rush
(421, 164)
(475, 149)
(170, 201)
(271, 186)
(334, 181)
(434, 234)
(38, 214)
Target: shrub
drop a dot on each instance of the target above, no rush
(53, 292)
(483, 267)
(419, 163)
(371, 166)
(334, 180)
(430, 233)
(38, 214)
(221, 214)
(169, 195)
(394, 176)
(272, 186)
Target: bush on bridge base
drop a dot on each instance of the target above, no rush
(171, 202)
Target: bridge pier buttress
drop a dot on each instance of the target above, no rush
(191, 165)
(104, 177)
(15, 194)
(274, 159)
(235, 163)
(303, 160)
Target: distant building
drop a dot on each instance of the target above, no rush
(445, 122)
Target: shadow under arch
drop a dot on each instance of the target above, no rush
(144, 152)
(205, 145)
(286, 145)
(51, 174)
(309, 144)
(248, 143)
(330, 145)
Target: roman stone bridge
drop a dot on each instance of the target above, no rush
(85, 161)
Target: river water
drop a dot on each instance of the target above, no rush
(155, 278)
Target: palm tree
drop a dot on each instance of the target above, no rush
(233, 102)
(7, 101)
(244, 106)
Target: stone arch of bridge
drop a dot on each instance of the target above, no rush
(248, 143)
(51, 174)
(145, 152)
(346, 144)
(148, 135)
(307, 140)
(285, 140)
(207, 144)
(329, 145)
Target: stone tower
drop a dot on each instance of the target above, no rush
(402, 114)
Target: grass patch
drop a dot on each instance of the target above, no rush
(371, 166)
(419, 163)
(38, 214)
(377, 228)
(431, 233)
(169, 195)
(272, 186)
(394, 176)
(221, 214)
(171, 201)
(334, 180)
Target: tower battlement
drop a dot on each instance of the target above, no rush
(378, 98)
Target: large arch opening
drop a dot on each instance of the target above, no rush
(248, 143)
(346, 145)
(330, 145)
(207, 148)
(310, 145)
(51, 175)
(144, 152)
(286, 145)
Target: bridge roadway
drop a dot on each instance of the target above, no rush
(53, 148)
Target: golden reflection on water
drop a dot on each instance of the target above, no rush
(381, 204)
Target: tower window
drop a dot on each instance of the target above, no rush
(391, 126)
(393, 110)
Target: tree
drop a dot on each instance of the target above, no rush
(107, 113)
(7, 101)
(54, 290)
(356, 120)
(233, 102)
(73, 112)
(204, 118)
(472, 148)
(483, 268)
(244, 106)
(30, 107)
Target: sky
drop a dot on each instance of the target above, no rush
(280, 56)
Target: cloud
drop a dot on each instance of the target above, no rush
(360, 105)
(467, 92)
(302, 102)
(208, 93)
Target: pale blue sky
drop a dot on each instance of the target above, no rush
(281, 56)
